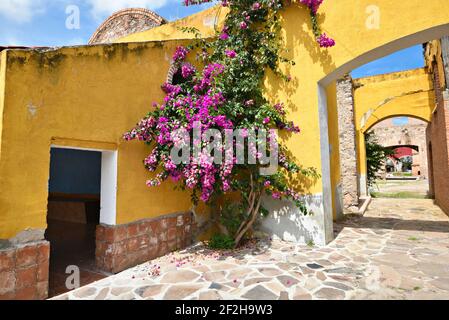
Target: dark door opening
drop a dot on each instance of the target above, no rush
(73, 214)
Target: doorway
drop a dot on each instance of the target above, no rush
(403, 173)
(73, 215)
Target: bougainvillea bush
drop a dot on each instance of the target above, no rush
(226, 93)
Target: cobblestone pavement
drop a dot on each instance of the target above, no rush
(398, 250)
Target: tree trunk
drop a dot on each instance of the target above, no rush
(253, 213)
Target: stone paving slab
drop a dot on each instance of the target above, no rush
(398, 250)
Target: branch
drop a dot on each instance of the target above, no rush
(255, 213)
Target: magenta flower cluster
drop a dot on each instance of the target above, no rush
(180, 54)
(201, 101)
(187, 70)
(324, 41)
(313, 5)
(230, 53)
(199, 108)
(183, 109)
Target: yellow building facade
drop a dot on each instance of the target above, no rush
(86, 97)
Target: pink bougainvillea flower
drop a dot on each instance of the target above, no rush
(256, 6)
(313, 5)
(187, 70)
(231, 53)
(180, 54)
(324, 41)
(276, 195)
(224, 36)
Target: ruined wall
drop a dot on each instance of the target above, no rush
(411, 134)
(205, 21)
(125, 22)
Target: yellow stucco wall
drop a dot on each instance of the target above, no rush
(355, 37)
(2, 92)
(277, 91)
(407, 93)
(86, 97)
(96, 93)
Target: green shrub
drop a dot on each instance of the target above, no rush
(375, 157)
(222, 242)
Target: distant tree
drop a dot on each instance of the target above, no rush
(376, 156)
(407, 163)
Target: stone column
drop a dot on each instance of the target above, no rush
(348, 153)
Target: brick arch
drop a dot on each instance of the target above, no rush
(171, 72)
(125, 22)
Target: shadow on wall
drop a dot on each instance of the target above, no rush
(297, 37)
(286, 221)
(301, 37)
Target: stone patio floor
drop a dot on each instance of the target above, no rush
(398, 250)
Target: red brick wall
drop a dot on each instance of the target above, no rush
(125, 246)
(24, 271)
(438, 138)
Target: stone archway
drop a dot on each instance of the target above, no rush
(365, 102)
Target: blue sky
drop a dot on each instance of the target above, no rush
(410, 58)
(43, 23)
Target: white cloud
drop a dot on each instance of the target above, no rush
(21, 11)
(104, 8)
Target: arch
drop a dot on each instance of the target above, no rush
(411, 146)
(373, 120)
(171, 72)
(421, 24)
(404, 93)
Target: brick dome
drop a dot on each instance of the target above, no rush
(125, 22)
